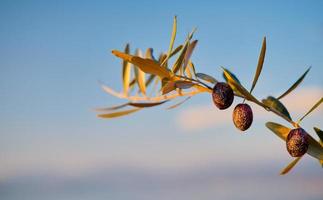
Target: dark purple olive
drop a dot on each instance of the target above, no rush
(222, 95)
(297, 142)
(242, 116)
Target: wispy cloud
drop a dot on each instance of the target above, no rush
(206, 116)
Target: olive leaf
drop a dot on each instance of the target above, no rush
(179, 103)
(126, 71)
(112, 107)
(184, 84)
(295, 84)
(168, 87)
(175, 51)
(290, 166)
(146, 65)
(280, 130)
(260, 64)
(276, 105)
(319, 132)
(313, 108)
(314, 148)
(119, 114)
(234, 77)
(188, 53)
(150, 54)
(239, 88)
(145, 105)
(140, 75)
(180, 58)
(172, 40)
(206, 77)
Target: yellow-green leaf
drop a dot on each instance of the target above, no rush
(146, 65)
(280, 130)
(119, 114)
(175, 51)
(260, 64)
(180, 58)
(126, 72)
(172, 40)
(168, 87)
(276, 105)
(313, 108)
(112, 107)
(295, 84)
(314, 148)
(179, 103)
(319, 132)
(206, 77)
(140, 76)
(290, 166)
(232, 81)
(145, 105)
(184, 84)
(188, 53)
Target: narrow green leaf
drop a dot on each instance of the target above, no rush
(314, 149)
(290, 166)
(319, 132)
(146, 65)
(179, 103)
(119, 114)
(172, 40)
(175, 51)
(260, 64)
(184, 84)
(295, 84)
(112, 107)
(239, 88)
(313, 108)
(168, 87)
(276, 105)
(189, 53)
(180, 58)
(206, 77)
(140, 75)
(280, 130)
(146, 105)
(126, 71)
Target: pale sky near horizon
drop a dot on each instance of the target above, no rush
(52, 54)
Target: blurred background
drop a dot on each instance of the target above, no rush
(52, 145)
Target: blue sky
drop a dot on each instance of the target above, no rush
(52, 54)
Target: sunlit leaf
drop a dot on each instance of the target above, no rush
(172, 40)
(149, 54)
(119, 114)
(314, 149)
(188, 53)
(145, 105)
(180, 59)
(295, 84)
(184, 84)
(276, 105)
(168, 87)
(232, 81)
(290, 166)
(179, 103)
(146, 65)
(140, 75)
(319, 132)
(175, 51)
(313, 108)
(280, 130)
(236, 91)
(126, 71)
(206, 77)
(260, 64)
(112, 107)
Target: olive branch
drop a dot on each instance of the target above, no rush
(167, 82)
